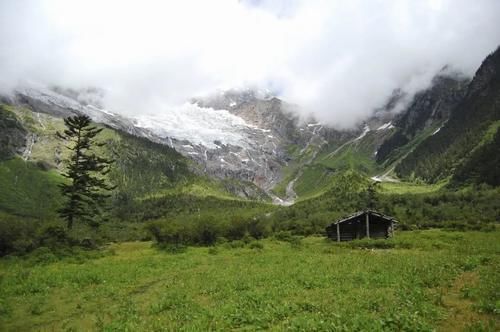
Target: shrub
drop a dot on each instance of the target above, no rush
(296, 242)
(247, 239)
(88, 243)
(23, 245)
(16, 235)
(5, 309)
(285, 236)
(213, 251)
(171, 235)
(258, 228)
(221, 240)
(173, 248)
(234, 244)
(55, 236)
(256, 245)
(236, 229)
(43, 255)
(487, 228)
(206, 231)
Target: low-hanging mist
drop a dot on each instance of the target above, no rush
(336, 59)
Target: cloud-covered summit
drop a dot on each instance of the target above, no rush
(336, 59)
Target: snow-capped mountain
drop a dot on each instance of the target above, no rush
(253, 136)
(223, 143)
(235, 134)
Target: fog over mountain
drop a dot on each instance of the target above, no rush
(336, 59)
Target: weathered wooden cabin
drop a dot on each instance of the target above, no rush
(362, 224)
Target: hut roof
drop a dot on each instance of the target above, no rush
(360, 213)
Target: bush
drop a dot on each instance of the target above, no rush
(488, 228)
(206, 231)
(5, 308)
(296, 242)
(23, 245)
(54, 236)
(88, 243)
(169, 234)
(213, 251)
(258, 228)
(173, 248)
(285, 236)
(234, 244)
(221, 240)
(43, 255)
(256, 245)
(247, 239)
(238, 228)
(16, 235)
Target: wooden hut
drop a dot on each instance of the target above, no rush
(362, 224)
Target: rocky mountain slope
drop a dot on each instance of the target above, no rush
(31, 163)
(255, 138)
(428, 109)
(468, 139)
(234, 135)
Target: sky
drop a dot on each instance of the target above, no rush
(338, 60)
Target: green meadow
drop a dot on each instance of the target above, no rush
(419, 281)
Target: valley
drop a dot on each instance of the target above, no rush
(217, 208)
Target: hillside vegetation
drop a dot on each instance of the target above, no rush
(465, 141)
(152, 181)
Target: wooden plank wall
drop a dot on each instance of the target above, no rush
(356, 229)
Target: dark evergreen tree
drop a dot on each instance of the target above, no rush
(86, 191)
(371, 197)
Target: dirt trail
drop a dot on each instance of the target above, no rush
(460, 311)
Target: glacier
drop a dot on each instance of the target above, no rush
(203, 126)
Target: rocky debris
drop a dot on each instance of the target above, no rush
(31, 139)
(12, 135)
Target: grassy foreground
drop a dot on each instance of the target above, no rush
(422, 280)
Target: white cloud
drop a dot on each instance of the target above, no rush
(337, 59)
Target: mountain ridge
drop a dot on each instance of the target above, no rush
(256, 138)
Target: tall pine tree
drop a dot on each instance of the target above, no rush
(87, 188)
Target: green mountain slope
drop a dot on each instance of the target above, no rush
(483, 164)
(426, 113)
(456, 144)
(31, 166)
(29, 190)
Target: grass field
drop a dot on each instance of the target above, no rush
(421, 281)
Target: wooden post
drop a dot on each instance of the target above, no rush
(392, 229)
(338, 232)
(368, 224)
